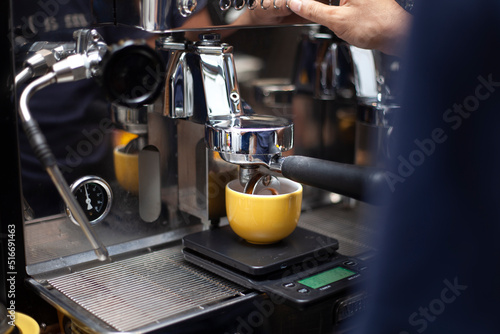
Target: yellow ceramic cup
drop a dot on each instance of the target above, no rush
(26, 324)
(127, 169)
(264, 219)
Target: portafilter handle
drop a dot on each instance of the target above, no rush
(350, 180)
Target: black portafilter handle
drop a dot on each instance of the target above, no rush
(349, 180)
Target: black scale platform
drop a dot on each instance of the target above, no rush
(225, 247)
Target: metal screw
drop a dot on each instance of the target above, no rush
(235, 97)
(95, 35)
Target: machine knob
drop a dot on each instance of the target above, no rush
(133, 74)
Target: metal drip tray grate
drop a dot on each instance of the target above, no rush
(143, 290)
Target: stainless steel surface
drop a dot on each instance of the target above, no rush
(77, 67)
(36, 65)
(250, 140)
(324, 106)
(42, 55)
(373, 133)
(141, 293)
(324, 66)
(29, 91)
(133, 120)
(218, 77)
(222, 94)
(56, 244)
(350, 226)
(89, 49)
(179, 92)
(150, 205)
(375, 113)
(366, 71)
(193, 182)
(247, 173)
(155, 15)
(275, 93)
(327, 85)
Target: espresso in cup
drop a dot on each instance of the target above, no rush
(264, 219)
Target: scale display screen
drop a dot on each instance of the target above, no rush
(327, 277)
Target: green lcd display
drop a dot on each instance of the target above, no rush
(327, 277)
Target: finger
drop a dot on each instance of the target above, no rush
(313, 10)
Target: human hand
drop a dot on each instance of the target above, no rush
(369, 24)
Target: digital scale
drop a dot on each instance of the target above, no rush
(304, 269)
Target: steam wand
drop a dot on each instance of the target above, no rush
(73, 68)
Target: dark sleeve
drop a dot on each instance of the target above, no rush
(438, 264)
(406, 4)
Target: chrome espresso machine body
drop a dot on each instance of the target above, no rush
(109, 254)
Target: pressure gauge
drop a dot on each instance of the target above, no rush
(94, 196)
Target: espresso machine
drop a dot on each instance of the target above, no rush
(141, 243)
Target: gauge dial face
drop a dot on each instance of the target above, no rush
(94, 196)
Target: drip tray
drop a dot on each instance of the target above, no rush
(143, 292)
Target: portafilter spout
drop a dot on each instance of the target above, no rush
(249, 141)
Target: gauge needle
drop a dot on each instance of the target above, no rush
(88, 200)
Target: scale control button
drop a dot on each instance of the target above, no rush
(303, 290)
(350, 263)
(289, 285)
